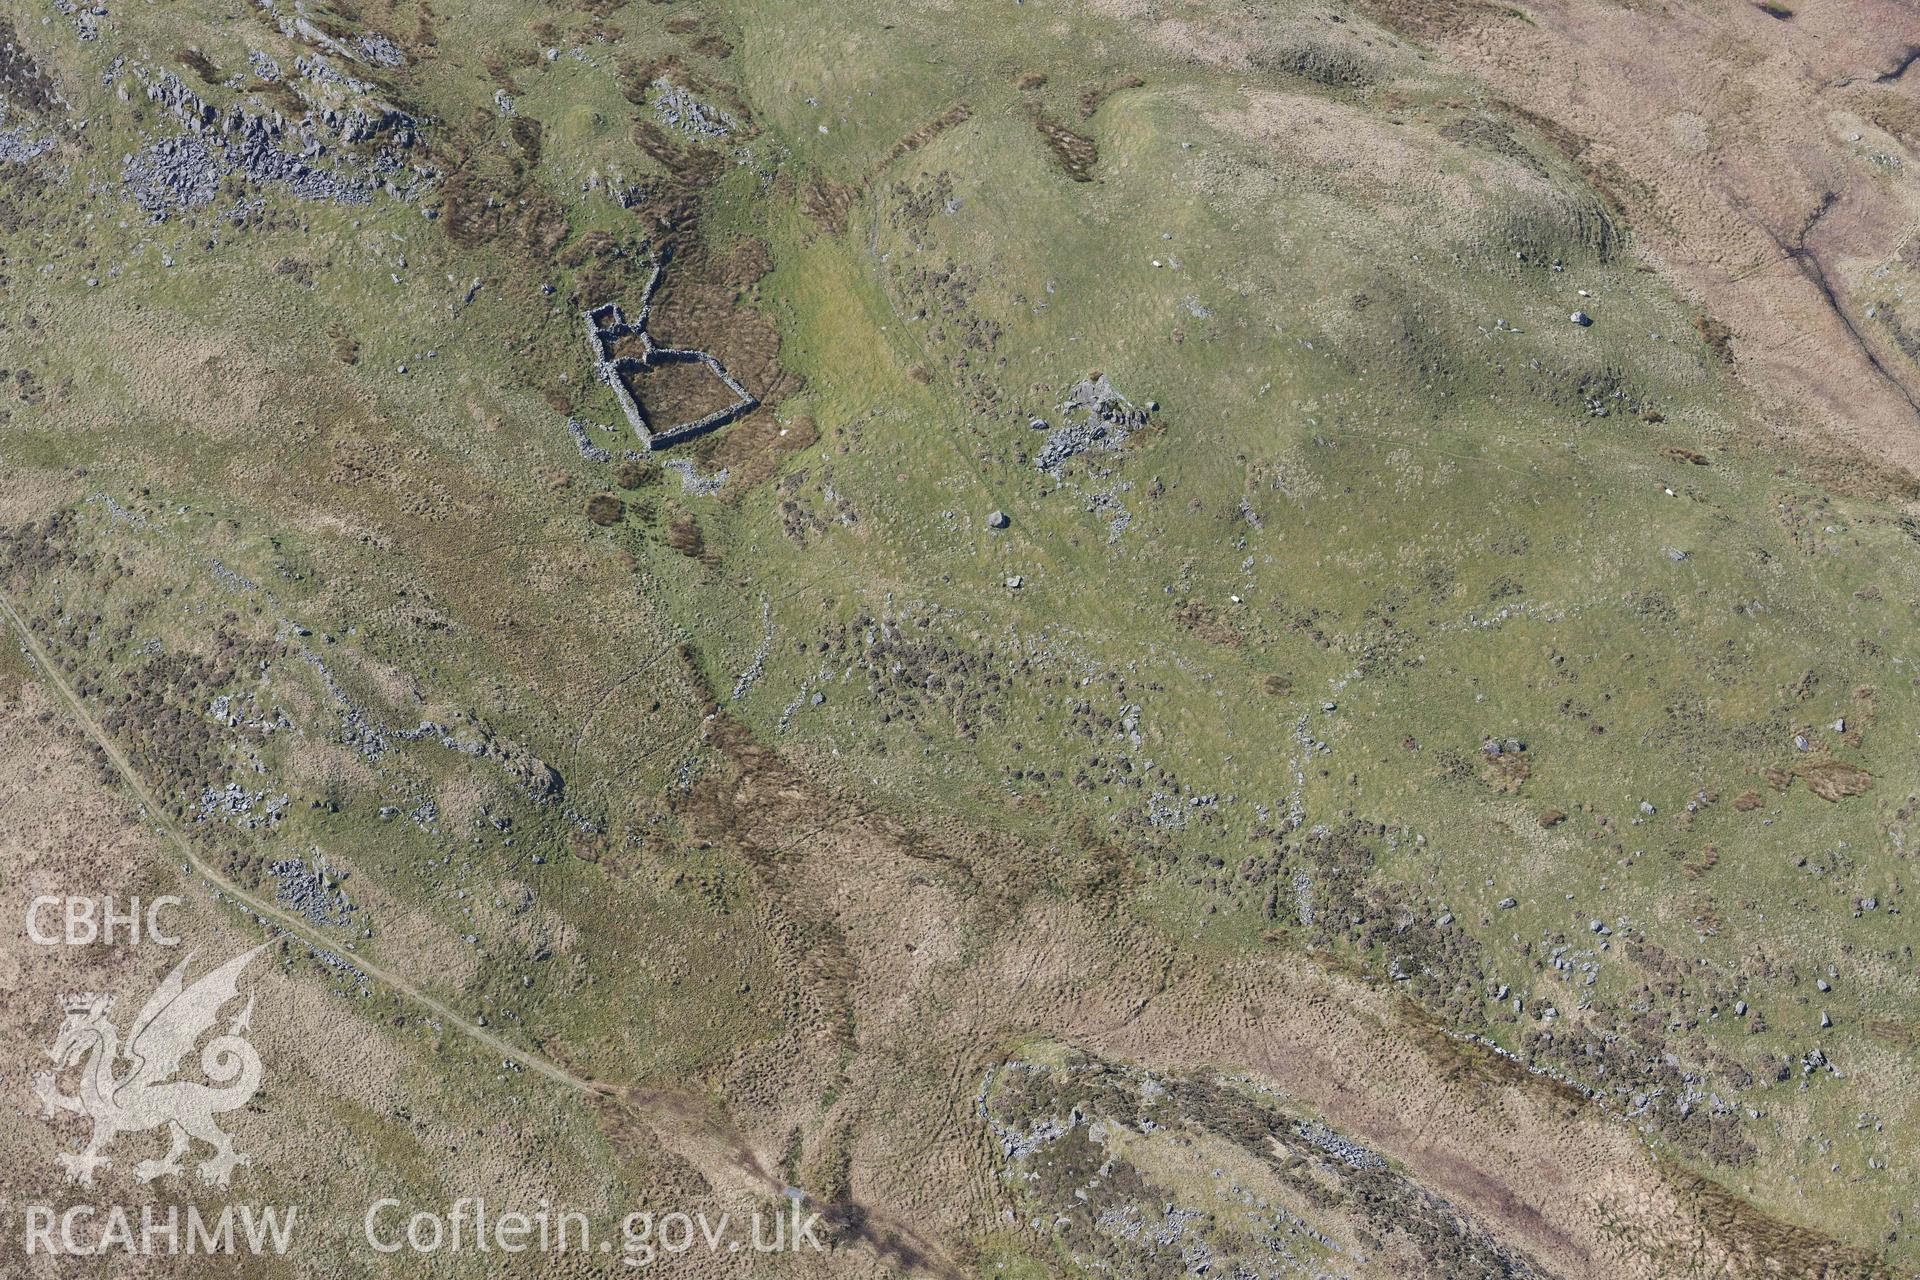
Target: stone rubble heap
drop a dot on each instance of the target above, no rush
(1343, 1149)
(679, 109)
(311, 889)
(1094, 416)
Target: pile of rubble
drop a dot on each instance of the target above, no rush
(679, 109)
(1345, 1150)
(234, 803)
(1096, 417)
(311, 890)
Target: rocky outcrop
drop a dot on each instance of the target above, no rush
(304, 157)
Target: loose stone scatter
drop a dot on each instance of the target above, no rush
(694, 482)
(18, 145)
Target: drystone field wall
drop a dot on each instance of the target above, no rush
(607, 324)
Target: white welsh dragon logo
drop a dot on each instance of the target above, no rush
(142, 1097)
